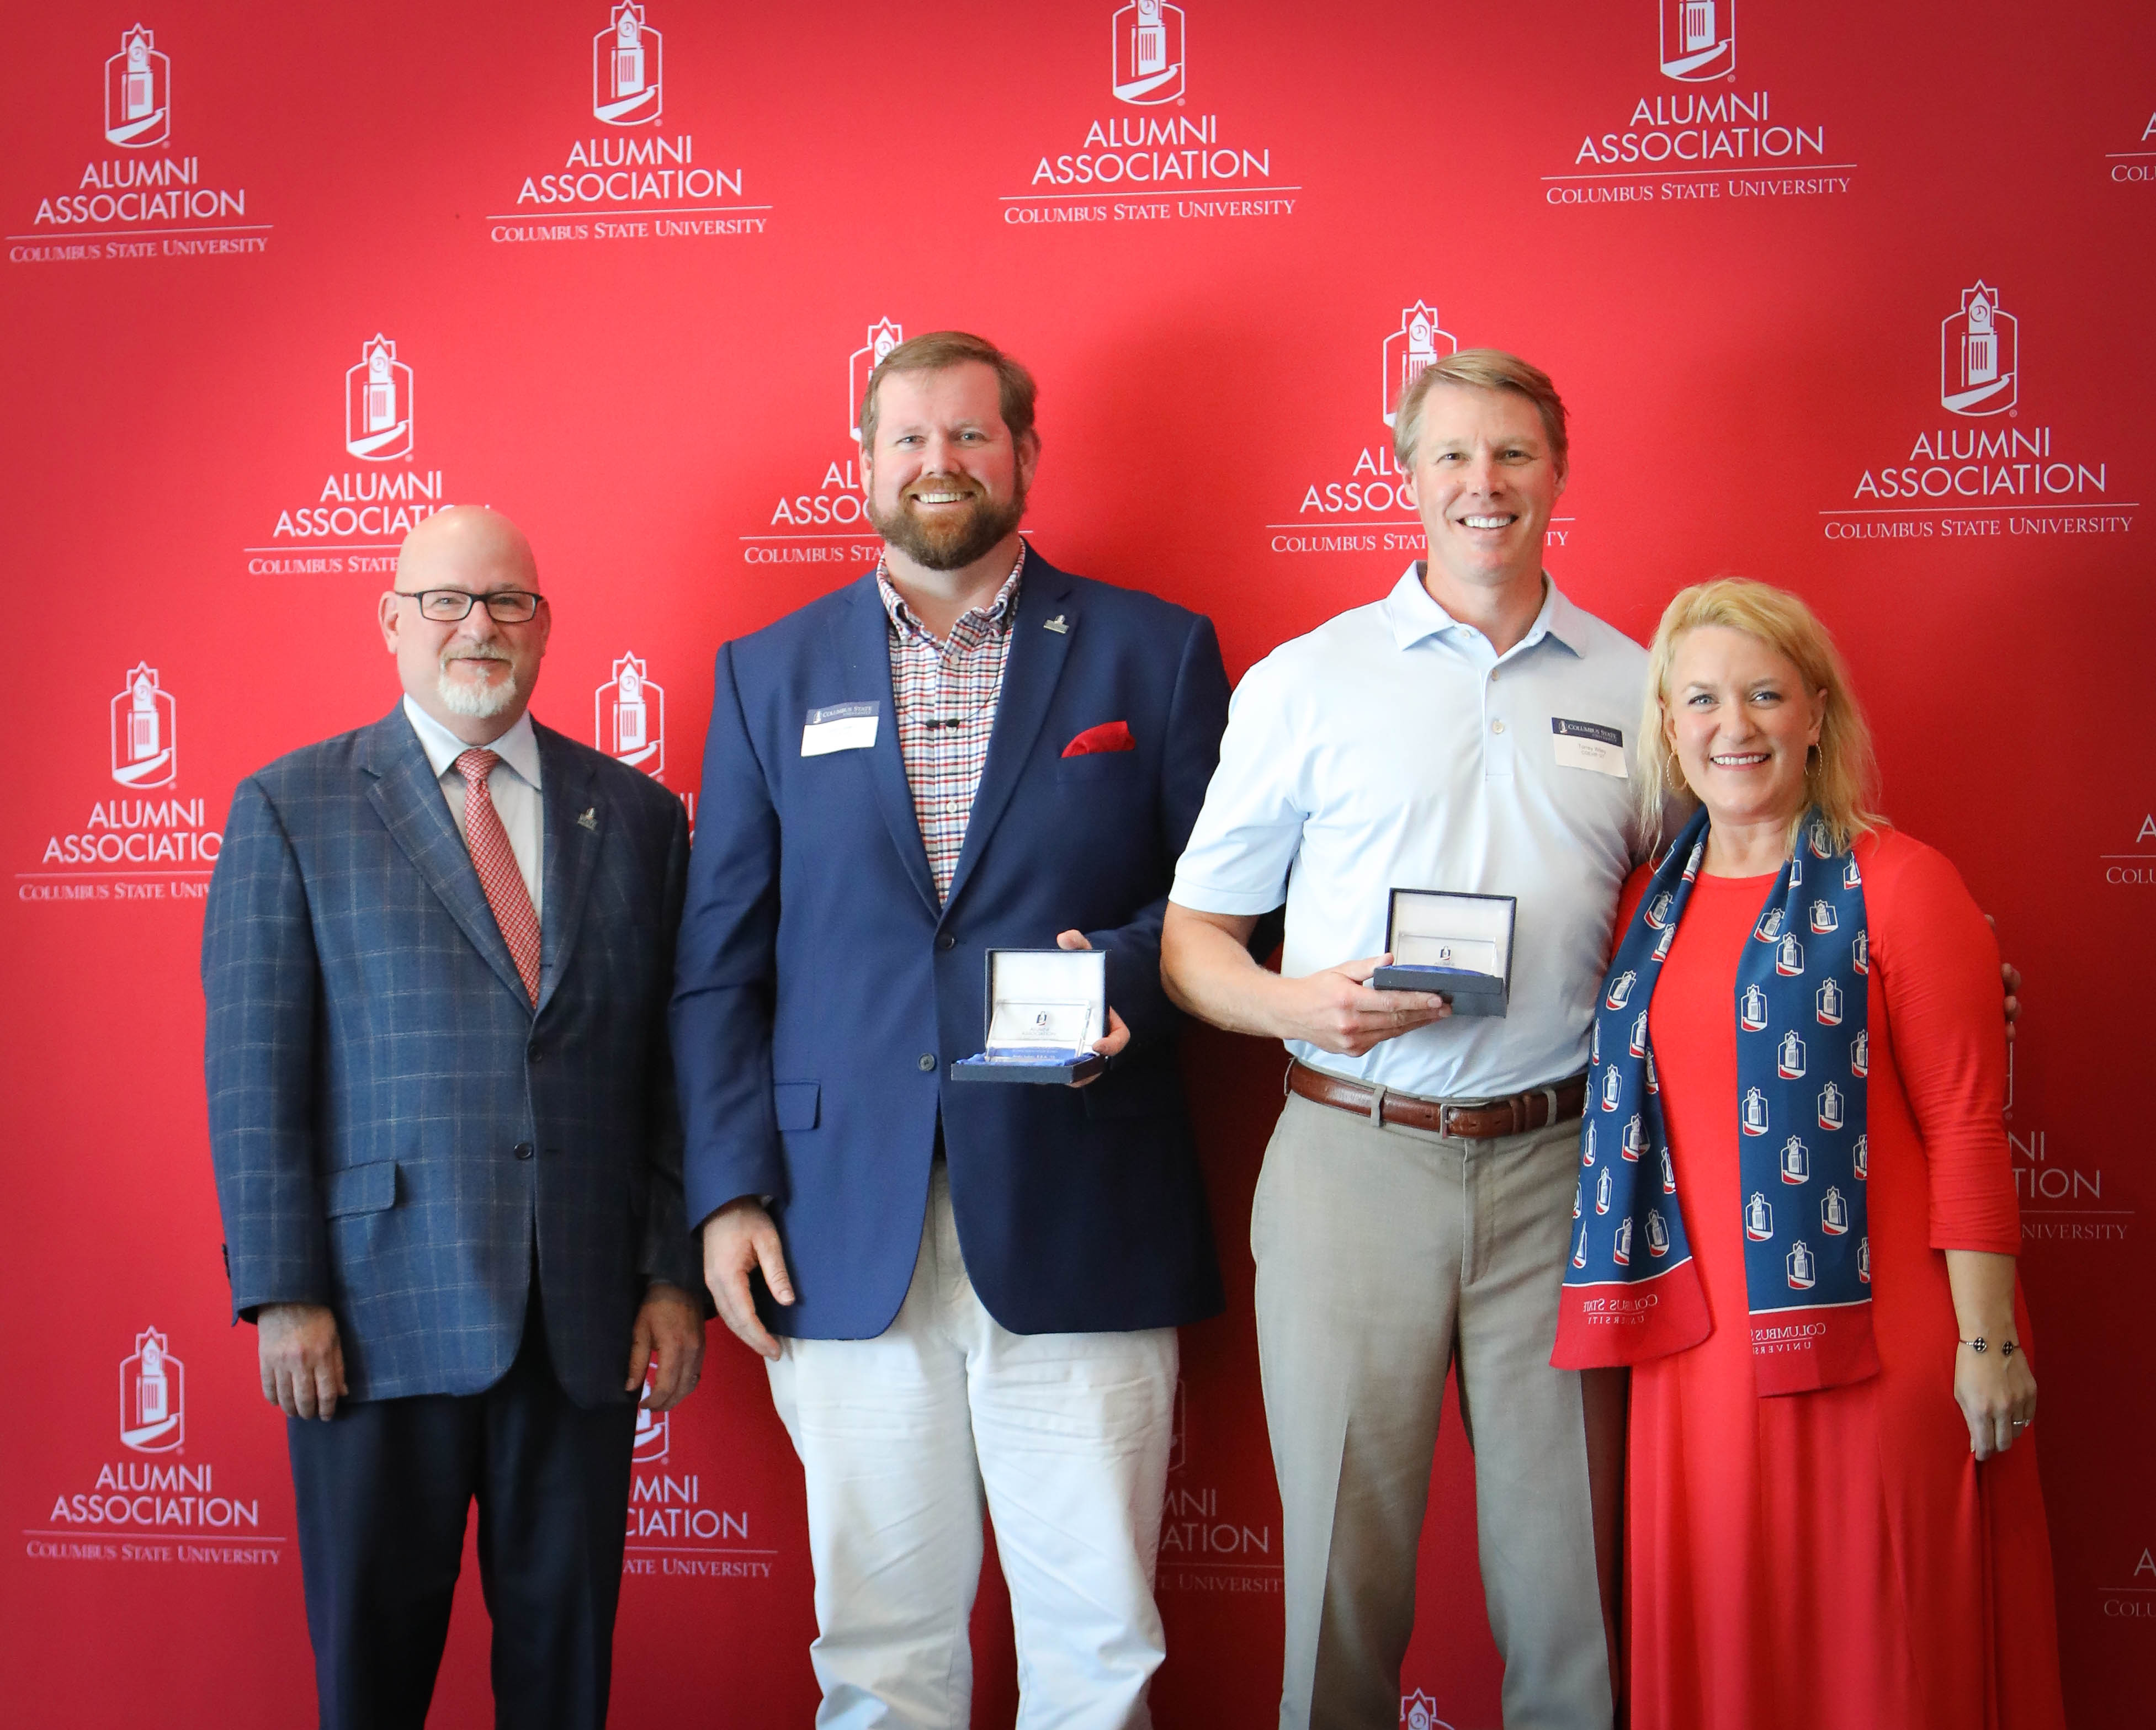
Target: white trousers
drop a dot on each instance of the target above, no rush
(901, 1437)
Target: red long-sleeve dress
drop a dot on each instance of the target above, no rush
(1837, 1560)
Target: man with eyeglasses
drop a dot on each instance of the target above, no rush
(438, 955)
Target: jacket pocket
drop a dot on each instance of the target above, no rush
(362, 1189)
(796, 1105)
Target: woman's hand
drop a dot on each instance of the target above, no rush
(1997, 1395)
(1994, 1387)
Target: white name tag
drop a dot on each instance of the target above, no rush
(842, 727)
(1583, 745)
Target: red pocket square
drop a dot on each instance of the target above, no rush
(1108, 736)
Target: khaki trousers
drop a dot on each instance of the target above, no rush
(1384, 1255)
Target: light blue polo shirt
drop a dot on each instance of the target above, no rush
(1392, 748)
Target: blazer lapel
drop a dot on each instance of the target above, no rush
(1037, 657)
(408, 799)
(861, 634)
(574, 823)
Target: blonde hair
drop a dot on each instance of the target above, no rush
(1842, 776)
(1480, 369)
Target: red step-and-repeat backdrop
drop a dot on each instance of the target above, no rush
(1853, 298)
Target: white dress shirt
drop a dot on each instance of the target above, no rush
(513, 785)
(1391, 748)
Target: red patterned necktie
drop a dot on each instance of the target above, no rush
(496, 865)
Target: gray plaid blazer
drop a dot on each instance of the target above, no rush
(394, 1128)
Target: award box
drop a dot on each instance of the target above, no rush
(1045, 1008)
(1458, 945)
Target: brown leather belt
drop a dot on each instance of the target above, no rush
(1480, 1121)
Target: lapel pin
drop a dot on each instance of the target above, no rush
(1058, 625)
(590, 819)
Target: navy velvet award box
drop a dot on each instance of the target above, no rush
(1458, 945)
(1045, 1009)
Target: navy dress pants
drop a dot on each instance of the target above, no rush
(383, 1490)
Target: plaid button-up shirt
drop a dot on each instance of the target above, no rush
(945, 694)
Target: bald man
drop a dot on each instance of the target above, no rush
(438, 955)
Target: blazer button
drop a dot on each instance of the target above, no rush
(533, 1055)
(928, 1060)
(947, 941)
(523, 1150)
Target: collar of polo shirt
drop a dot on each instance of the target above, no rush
(1413, 616)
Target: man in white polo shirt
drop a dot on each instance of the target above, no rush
(1471, 732)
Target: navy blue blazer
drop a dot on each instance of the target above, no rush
(394, 1125)
(821, 994)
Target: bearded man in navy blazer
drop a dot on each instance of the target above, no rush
(438, 953)
(964, 1292)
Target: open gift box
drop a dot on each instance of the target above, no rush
(1458, 945)
(1045, 1009)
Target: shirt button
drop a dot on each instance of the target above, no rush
(928, 1060)
(1497, 726)
(523, 1149)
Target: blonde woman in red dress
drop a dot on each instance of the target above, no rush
(1833, 1517)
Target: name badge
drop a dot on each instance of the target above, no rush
(842, 727)
(1582, 744)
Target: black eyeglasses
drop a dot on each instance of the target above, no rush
(446, 606)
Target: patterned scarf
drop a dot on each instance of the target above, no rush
(1631, 1290)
